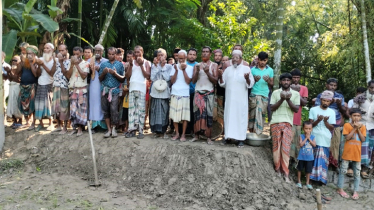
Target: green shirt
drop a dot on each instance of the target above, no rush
(284, 112)
(261, 86)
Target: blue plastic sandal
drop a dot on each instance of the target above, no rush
(310, 187)
(299, 185)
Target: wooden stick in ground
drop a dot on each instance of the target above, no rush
(93, 154)
(319, 199)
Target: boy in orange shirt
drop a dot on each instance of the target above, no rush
(355, 134)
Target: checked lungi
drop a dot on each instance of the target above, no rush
(60, 103)
(78, 106)
(43, 101)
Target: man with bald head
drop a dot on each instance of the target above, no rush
(205, 77)
(44, 94)
(60, 101)
(137, 73)
(236, 80)
(95, 113)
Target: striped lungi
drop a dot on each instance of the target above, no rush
(136, 111)
(367, 148)
(60, 103)
(159, 115)
(180, 108)
(282, 137)
(257, 110)
(43, 101)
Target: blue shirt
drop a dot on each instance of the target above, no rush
(333, 106)
(261, 86)
(192, 85)
(110, 80)
(306, 151)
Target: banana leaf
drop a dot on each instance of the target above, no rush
(47, 22)
(9, 43)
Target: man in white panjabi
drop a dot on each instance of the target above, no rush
(236, 80)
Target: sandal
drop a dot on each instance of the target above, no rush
(326, 197)
(309, 187)
(343, 194)
(355, 196)
(240, 144)
(130, 135)
(209, 141)
(32, 127)
(350, 173)
(196, 138)
(175, 137)
(299, 185)
(182, 139)
(364, 175)
(62, 132)
(79, 134)
(140, 136)
(38, 128)
(73, 132)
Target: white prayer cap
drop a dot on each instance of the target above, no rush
(237, 52)
(183, 51)
(50, 45)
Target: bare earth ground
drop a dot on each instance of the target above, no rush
(151, 174)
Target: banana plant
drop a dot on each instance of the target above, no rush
(24, 23)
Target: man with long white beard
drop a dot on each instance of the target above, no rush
(96, 115)
(205, 77)
(44, 94)
(27, 68)
(60, 101)
(236, 80)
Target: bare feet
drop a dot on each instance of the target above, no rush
(175, 137)
(183, 138)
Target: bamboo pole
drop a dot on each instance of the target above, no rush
(278, 44)
(107, 21)
(79, 23)
(319, 199)
(2, 126)
(365, 42)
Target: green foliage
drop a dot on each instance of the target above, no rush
(9, 43)
(304, 114)
(7, 164)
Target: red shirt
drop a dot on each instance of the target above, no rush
(297, 116)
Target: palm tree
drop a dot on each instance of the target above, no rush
(278, 43)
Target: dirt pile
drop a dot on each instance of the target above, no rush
(172, 174)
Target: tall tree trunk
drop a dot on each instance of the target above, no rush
(107, 21)
(2, 127)
(278, 43)
(365, 40)
(79, 22)
(101, 14)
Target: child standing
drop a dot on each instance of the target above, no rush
(354, 133)
(306, 157)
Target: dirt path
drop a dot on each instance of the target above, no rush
(147, 174)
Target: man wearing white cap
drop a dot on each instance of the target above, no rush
(236, 80)
(44, 94)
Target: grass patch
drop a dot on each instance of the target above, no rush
(8, 164)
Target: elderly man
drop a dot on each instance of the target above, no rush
(138, 73)
(44, 94)
(180, 96)
(284, 103)
(111, 76)
(96, 114)
(27, 68)
(14, 78)
(160, 92)
(339, 107)
(60, 101)
(258, 99)
(77, 76)
(205, 77)
(229, 62)
(236, 80)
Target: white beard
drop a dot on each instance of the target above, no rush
(47, 56)
(235, 65)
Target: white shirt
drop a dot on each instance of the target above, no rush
(137, 79)
(45, 78)
(180, 87)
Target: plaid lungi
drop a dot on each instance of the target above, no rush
(78, 106)
(282, 136)
(43, 101)
(367, 148)
(203, 112)
(320, 166)
(220, 108)
(180, 108)
(60, 103)
(136, 111)
(159, 115)
(12, 109)
(26, 99)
